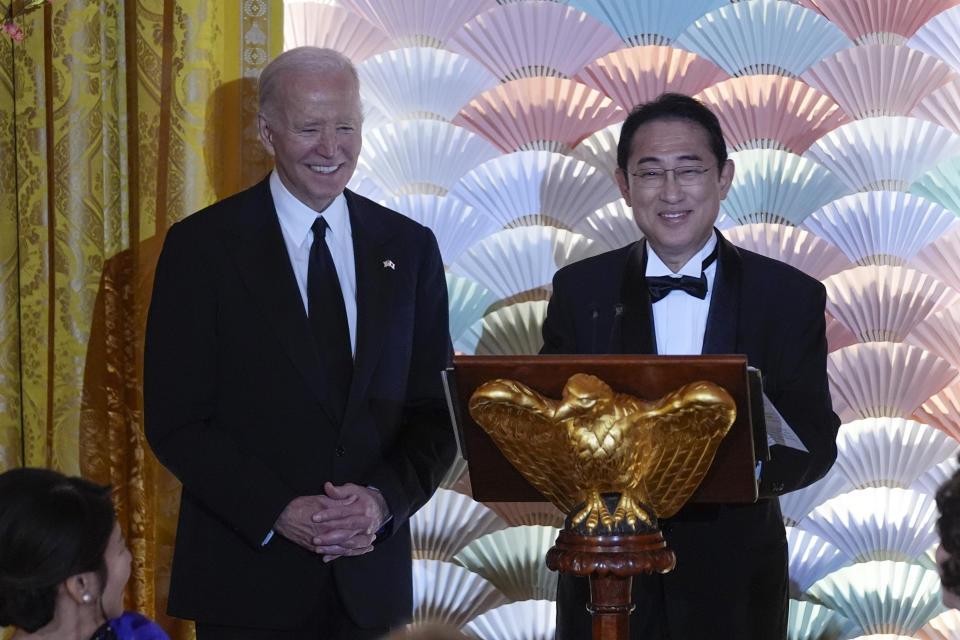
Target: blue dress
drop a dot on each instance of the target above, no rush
(130, 626)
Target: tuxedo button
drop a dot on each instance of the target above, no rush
(340, 452)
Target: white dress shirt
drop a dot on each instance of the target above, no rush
(680, 319)
(296, 219)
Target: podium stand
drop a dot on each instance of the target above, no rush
(610, 561)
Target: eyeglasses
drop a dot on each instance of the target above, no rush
(685, 176)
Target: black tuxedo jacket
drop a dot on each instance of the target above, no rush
(729, 558)
(235, 406)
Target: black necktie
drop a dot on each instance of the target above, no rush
(660, 286)
(328, 317)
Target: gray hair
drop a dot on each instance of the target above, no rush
(300, 59)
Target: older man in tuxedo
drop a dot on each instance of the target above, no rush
(292, 381)
(684, 289)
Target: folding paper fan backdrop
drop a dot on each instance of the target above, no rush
(941, 184)
(884, 379)
(320, 25)
(539, 113)
(890, 452)
(878, 80)
(888, 152)
(446, 593)
(771, 112)
(422, 82)
(883, 21)
(468, 300)
(455, 223)
(418, 23)
(882, 596)
(810, 559)
(929, 481)
(536, 187)
(797, 504)
(942, 410)
(365, 186)
(640, 74)
(421, 156)
(611, 226)
(792, 245)
(881, 227)
(526, 620)
(656, 22)
(456, 478)
(528, 513)
(940, 37)
(838, 335)
(939, 333)
(939, 259)
(778, 187)
(945, 626)
(600, 149)
(942, 106)
(882, 303)
(517, 260)
(810, 621)
(514, 561)
(512, 330)
(528, 39)
(447, 523)
(763, 37)
(878, 523)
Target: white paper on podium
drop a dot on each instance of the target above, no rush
(778, 431)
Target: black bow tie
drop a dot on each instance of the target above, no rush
(660, 286)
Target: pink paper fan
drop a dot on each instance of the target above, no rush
(945, 626)
(552, 114)
(792, 245)
(640, 74)
(772, 112)
(942, 410)
(939, 333)
(939, 259)
(883, 21)
(320, 25)
(884, 379)
(878, 80)
(418, 23)
(528, 39)
(838, 335)
(942, 106)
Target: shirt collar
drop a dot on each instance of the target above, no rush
(656, 266)
(296, 218)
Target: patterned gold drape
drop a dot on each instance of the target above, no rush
(116, 120)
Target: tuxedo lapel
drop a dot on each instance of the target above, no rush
(722, 318)
(636, 324)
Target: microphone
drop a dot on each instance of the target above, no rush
(617, 332)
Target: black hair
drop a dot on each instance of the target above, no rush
(51, 527)
(671, 106)
(948, 528)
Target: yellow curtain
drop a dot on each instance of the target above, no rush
(116, 120)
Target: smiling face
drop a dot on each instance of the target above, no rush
(312, 128)
(676, 220)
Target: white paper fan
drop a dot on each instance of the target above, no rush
(640, 74)
(526, 620)
(838, 335)
(941, 184)
(878, 80)
(884, 379)
(457, 478)
(877, 21)
(942, 106)
(883, 303)
(455, 224)
(526, 39)
(811, 621)
(612, 226)
(553, 114)
(797, 504)
(945, 626)
(877, 523)
(771, 112)
(422, 82)
(888, 152)
(763, 37)
(889, 452)
(446, 593)
(931, 480)
(811, 558)
(447, 523)
(514, 560)
(881, 227)
(468, 301)
(517, 260)
(792, 245)
(942, 410)
(364, 185)
(939, 333)
(321, 25)
(940, 37)
(421, 156)
(418, 23)
(939, 259)
(656, 22)
(513, 330)
(536, 187)
(528, 513)
(600, 149)
(882, 596)
(778, 187)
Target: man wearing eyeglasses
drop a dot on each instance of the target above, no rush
(683, 290)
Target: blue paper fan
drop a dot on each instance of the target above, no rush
(884, 153)
(811, 621)
(778, 187)
(512, 330)
(468, 301)
(940, 37)
(523, 620)
(418, 23)
(656, 22)
(941, 184)
(536, 187)
(933, 478)
(455, 224)
(810, 559)
(763, 37)
(611, 226)
(797, 504)
(422, 82)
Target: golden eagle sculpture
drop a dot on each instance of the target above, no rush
(595, 441)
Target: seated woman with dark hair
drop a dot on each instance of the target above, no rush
(63, 561)
(948, 527)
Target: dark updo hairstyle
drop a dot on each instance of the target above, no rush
(51, 527)
(948, 527)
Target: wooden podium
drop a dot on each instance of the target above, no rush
(610, 561)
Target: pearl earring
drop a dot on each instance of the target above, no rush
(86, 597)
